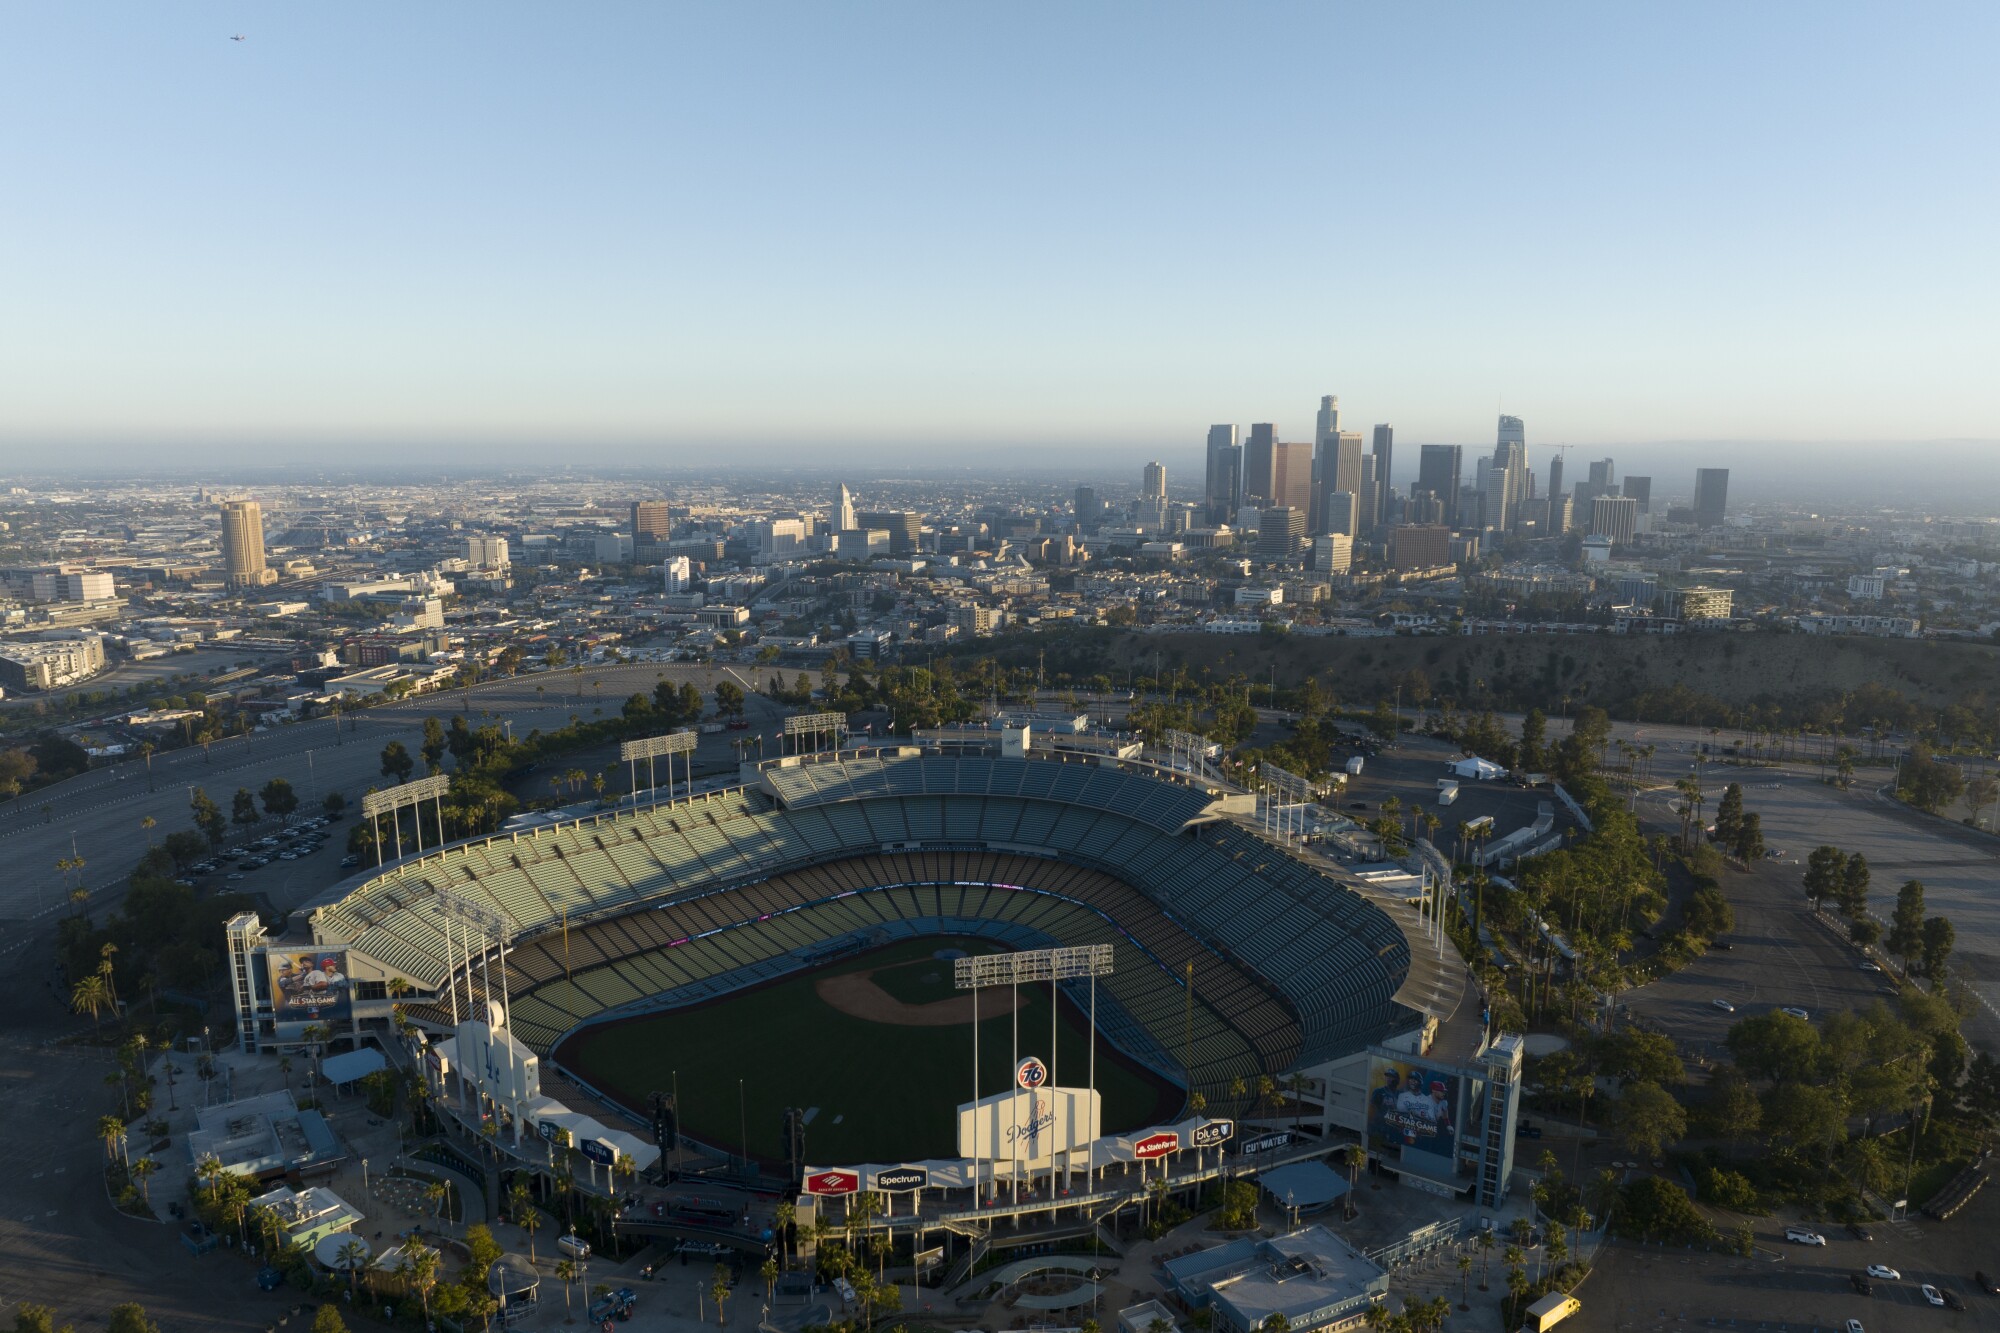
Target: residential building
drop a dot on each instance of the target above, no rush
(1866, 587)
(72, 585)
(243, 545)
(1711, 496)
(48, 664)
(1616, 517)
(678, 574)
(1704, 603)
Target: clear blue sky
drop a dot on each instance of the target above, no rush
(826, 230)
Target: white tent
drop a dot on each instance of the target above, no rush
(1479, 770)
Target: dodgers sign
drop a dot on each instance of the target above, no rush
(1031, 1073)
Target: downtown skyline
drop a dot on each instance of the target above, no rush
(525, 239)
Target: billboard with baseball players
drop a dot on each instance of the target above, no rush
(310, 986)
(1413, 1115)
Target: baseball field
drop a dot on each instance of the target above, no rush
(876, 1048)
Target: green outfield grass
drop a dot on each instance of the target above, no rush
(883, 1093)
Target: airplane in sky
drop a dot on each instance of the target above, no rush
(239, 37)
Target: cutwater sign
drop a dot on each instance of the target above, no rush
(1031, 1073)
(898, 1179)
(1265, 1143)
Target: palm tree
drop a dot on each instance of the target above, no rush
(566, 1274)
(349, 1256)
(720, 1291)
(436, 1192)
(142, 1171)
(1464, 1281)
(104, 970)
(147, 824)
(90, 996)
(112, 1130)
(1354, 1157)
(1486, 1243)
(423, 1270)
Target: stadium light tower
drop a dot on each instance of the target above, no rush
(1055, 966)
(650, 748)
(413, 794)
(815, 725)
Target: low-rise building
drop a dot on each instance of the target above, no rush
(1311, 1277)
(50, 663)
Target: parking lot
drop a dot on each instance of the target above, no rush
(1410, 772)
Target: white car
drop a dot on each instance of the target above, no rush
(573, 1245)
(1932, 1294)
(1854, 1326)
(1724, 1005)
(1804, 1236)
(1884, 1272)
(1871, 967)
(1796, 1012)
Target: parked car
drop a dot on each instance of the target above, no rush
(1932, 1295)
(1854, 1326)
(1884, 1273)
(1724, 1005)
(1985, 1283)
(573, 1245)
(1952, 1301)
(1796, 1012)
(1804, 1236)
(1859, 1232)
(1861, 1284)
(349, 861)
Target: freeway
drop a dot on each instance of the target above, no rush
(99, 815)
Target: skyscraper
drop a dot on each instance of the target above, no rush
(1088, 511)
(1339, 468)
(1384, 450)
(1437, 473)
(1641, 489)
(1153, 482)
(1291, 476)
(1711, 496)
(1224, 490)
(843, 516)
(1367, 499)
(1510, 456)
(1257, 461)
(1327, 424)
(1343, 513)
(1602, 473)
(1556, 477)
(650, 522)
(243, 545)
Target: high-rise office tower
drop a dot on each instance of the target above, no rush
(1510, 455)
(1414, 546)
(1339, 468)
(1224, 491)
(1555, 477)
(1327, 424)
(1384, 451)
(1257, 461)
(650, 522)
(1641, 489)
(1343, 513)
(1711, 496)
(243, 545)
(1497, 499)
(1603, 474)
(1367, 499)
(1437, 473)
(1292, 476)
(485, 552)
(843, 510)
(1153, 482)
(1281, 528)
(1088, 511)
(905, 527)
(1616, 517)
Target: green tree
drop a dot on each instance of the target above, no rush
(396, 762)
(279, 798)
(129, 1318)
(1532, 754)
(1811, 1118)
(433, 747)
(1749, 841)
(1732, 1111)
(31, 1318)
(1824, 870)
(207, 816)
(328, 1320)
(1646, 1118)
(1854, 886)
(1906, 924)
(729, 698)
(1633, 1054)
(1776, 1047)
(1729, 815)
(1939, 936)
